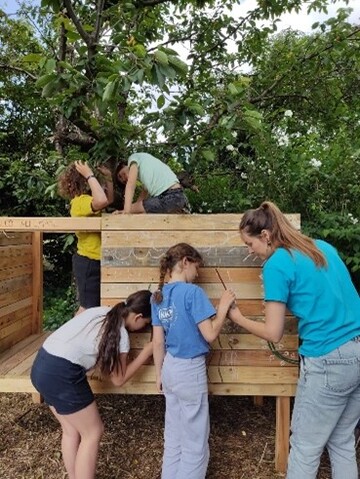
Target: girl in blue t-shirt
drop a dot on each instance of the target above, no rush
(182, 330)
(309, 278)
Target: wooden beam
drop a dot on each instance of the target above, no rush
(50, 224)
(282, 433)
(37, 285)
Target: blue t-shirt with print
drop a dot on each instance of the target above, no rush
(323, 299)
(184, 306)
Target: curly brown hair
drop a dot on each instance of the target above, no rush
(71, 183)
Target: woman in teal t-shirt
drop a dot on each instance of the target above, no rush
(309, 278)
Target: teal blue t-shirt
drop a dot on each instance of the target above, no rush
(324, 300)
(184, 306)
(155, 175)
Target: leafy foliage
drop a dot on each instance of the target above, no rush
(249, 113)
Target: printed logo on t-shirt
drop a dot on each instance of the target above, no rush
(166, 315)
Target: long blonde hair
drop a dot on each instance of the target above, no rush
(282, 233)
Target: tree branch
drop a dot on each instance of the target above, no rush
(18, 69)
(76, 22)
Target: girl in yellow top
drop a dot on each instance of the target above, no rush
(87, 198)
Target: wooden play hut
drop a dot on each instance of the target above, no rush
(132, 245)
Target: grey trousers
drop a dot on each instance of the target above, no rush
(187, 425)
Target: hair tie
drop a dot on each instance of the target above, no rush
(125, 302)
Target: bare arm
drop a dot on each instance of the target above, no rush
(99, 198)
(130, 187)
(128, 370)
(210, 328)
(273, 327)
(159, 353)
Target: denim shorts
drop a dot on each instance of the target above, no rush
(87, 278)
(62, 384)
(171, 201)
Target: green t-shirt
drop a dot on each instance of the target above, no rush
(155, 176)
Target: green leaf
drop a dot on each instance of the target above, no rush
(32, 58)
(45, 79)
(161, 57)
(160, 101)
(109, 90)
(209, 155)
(178, 64)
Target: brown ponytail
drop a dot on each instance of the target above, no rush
(282, 233)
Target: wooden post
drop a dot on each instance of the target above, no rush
(258, 401)
(282, 432)
(37, 292)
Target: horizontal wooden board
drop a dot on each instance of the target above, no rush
(118, 274)
(15, 315)
(15, 337)
(158, 239)
(242, 290)
(208, 222)
(22, 384)
(15, 251)
(14, 238)
(18, 294)
(232, 256)
(16, 270)
(15, 307)
(50, 224)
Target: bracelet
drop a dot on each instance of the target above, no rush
(88, 177)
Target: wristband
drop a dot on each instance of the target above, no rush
(88, 177)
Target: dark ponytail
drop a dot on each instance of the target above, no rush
(108, 359)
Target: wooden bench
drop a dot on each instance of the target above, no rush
(239, 363)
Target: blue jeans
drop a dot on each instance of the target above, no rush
(186, 451)
(326, 411)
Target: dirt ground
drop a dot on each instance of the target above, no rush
(241, 442)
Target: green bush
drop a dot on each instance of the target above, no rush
(59, 306)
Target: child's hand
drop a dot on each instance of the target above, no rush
(227, 300)
(83, 168)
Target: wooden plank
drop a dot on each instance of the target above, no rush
(282, 433)
(157, 239)
(163, 222)
(242, 290)
(18, 269)
(226, 256)
(14, 238)
(15, 326)
(15, 307)
(50, 224)
(20, 384)
(15, 315)
(10, 297)
(118, 274)
(231, 342)
(15, 262)
(14, 251)
(14, 284)
(16, 337)
(30, 343)
(37, 286)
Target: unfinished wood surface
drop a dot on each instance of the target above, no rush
(282, 433)
(16, 287)
(49, 224)
(193, 222)
(37, 285)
